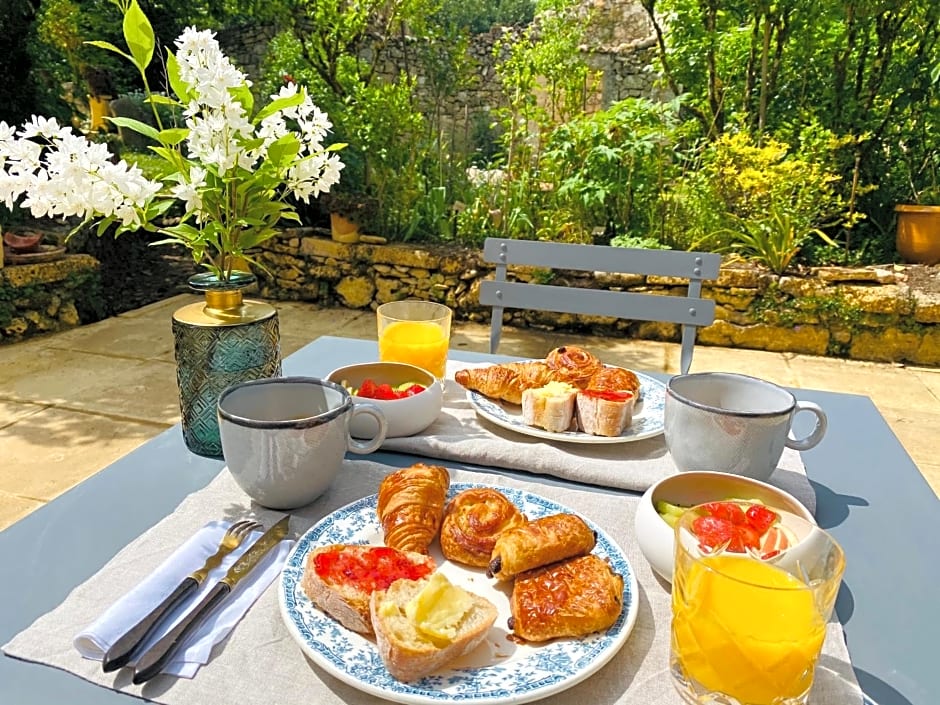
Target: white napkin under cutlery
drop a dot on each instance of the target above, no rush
(94, 641)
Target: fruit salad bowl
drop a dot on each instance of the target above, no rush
(394, 388)
(662, 503)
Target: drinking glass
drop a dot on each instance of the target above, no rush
(416, 332)
(748, 624)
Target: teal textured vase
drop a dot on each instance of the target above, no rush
(224, 340)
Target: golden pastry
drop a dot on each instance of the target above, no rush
(573, 598)
(540, 542)
(473, 520)
(573, 365)
(411, 506)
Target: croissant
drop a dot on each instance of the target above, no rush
(506, 381)
(573, 365)
(411, 506)
(473, 520)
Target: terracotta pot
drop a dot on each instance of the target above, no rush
(23, 241)
(918, 234)
(343, 229)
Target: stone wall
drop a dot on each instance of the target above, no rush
(870, 313)
(49, 296)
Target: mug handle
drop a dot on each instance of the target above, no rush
(813, 439)
(362, 447)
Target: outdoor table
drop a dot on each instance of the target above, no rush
(870, 495)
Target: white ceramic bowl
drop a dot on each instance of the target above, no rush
(405, 417)
(657, 538)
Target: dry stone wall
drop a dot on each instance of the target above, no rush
(871, 313)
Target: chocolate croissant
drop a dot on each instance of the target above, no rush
(568, 599)
(573, 365)
(411, 506)
(506, 381)
(540, 542)
(473, 520)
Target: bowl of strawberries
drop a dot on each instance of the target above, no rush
(410, 397)
(735, 514)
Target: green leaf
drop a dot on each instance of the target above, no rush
(138, 33)
(179, 86)
(243, 95)
(137, 126)
(278, 104)
(283, 150)
(173, 135)
(110, 47)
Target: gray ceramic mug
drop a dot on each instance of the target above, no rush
(284, 438)
(728, 422)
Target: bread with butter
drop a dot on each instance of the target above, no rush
(422, 625)
(550, 407)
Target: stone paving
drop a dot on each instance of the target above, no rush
(73, 402)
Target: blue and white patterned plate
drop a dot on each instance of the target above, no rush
(647, 416)
(498, 671)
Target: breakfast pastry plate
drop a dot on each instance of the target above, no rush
(497, 671)
(647, 416)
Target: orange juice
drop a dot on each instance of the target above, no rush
(745, 628)
(419, 343)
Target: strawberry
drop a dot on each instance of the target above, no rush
(712, 532)
(385, 391)
(412, 390)
(367, 389)
(744, 537)
(760, 517)
(774, 541)
(726, 510)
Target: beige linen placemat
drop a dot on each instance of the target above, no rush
(462, 435)
(261, 664)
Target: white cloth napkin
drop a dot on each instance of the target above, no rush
(94, 641)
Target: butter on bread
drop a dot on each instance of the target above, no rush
(422, 625)
(550, 407)
(340, 578)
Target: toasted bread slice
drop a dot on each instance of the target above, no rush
(341, 578)
(422, 625)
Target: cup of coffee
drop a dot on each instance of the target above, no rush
(734, 423)
(284, 438)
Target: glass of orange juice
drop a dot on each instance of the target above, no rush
(748, 618)
(416, 332)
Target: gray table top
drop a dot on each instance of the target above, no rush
(870, 496)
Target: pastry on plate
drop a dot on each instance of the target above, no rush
(473, 520)
(506, 381)
(540, 542)
(573, 365)
(410, 506)
(572, 598)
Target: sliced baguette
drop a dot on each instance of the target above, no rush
(601, 416)
(409, 653)
(550, 407)
(346, 599)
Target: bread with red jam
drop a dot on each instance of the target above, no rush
(341, 578)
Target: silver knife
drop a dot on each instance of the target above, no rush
(152, 661)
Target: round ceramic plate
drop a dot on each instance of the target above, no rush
(647, 416)
(498, 671)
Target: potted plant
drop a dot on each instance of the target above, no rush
(226, 177)
(918, 227)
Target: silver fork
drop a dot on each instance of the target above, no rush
(121, 651)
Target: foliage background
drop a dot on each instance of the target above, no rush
(789, 118)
